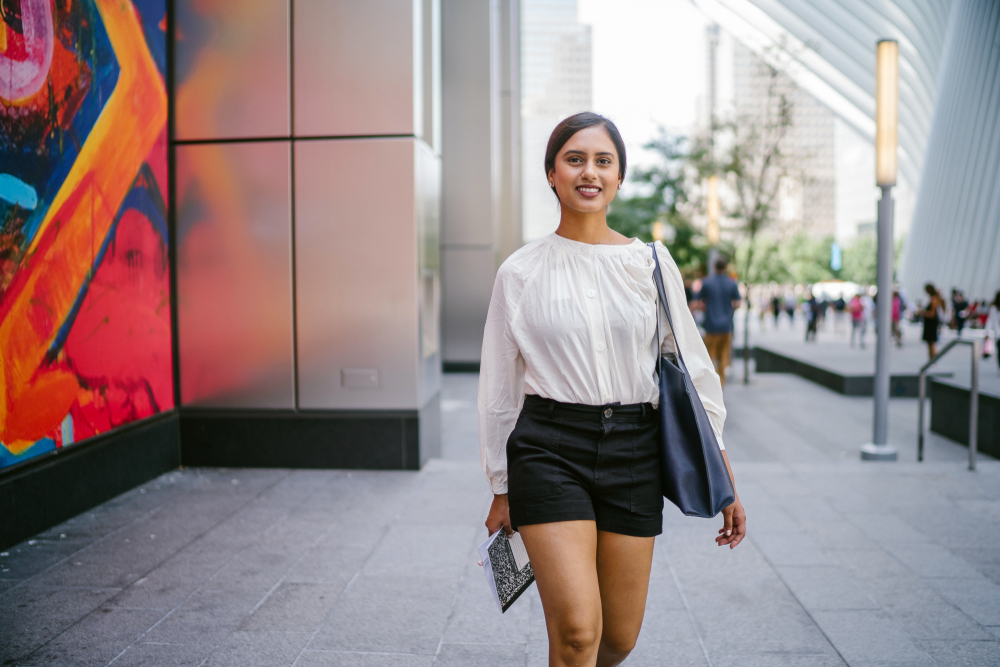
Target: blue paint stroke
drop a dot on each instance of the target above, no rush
(40, 447)
(16, 191)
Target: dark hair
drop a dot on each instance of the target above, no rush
(721, 264)
(570, 126)
(931, 290)
(996, 301)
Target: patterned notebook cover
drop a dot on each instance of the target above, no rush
(508, 569)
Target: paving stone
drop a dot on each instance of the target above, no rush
(259, 649)
(964, 653)
(422, 550)
(294, 607)
(39, 613)
(480, 655)
(207, 617)
(338, 659)
(476, 619)
(870, 637)
(825, 587)
(95, 639)
(144, 654)
(979, 598)
(389, 614)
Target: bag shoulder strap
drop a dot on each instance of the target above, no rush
(662, 292)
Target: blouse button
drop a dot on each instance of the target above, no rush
(600, 347)
(591, 293)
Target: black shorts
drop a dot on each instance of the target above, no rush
(569, 462)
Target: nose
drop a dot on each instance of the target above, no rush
(590, 170)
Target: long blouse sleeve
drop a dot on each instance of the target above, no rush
(501, 385)
(699, 364)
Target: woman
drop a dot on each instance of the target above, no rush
(571, 335)
(993, 325)
(932, 318)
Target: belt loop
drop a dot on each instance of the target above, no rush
(552, 407)
(643, 410)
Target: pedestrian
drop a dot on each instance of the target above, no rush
(568, 394)
(858, 322)
(897, 309)
(790, 303)
(812, 320)
(776, 308)
(719, 297)
(932, 315)
(839, 306)
(993, 326)
(958, 308)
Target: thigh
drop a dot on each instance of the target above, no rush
(564, 558)
(623, 566)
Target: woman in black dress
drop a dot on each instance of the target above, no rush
(932, 320)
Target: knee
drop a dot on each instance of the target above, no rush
(578, 639)
(618, 646)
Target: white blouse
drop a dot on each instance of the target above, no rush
(576, 323)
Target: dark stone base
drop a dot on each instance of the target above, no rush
(42, 493)
(375, 439)
(950, 416)
(769, 361)
(460, 366)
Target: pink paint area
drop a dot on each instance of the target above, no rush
(119, 346)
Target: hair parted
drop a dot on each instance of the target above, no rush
(570, 126)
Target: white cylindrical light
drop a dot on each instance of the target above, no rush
(886, 111)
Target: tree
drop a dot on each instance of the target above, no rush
(751, 156)
(663, 197)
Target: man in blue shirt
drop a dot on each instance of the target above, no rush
(719, 297)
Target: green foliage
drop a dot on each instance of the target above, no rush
(664, 192)
(800, 259)
(861, 259)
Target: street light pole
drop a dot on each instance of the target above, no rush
(886, 122)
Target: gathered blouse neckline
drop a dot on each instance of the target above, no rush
(588, 248)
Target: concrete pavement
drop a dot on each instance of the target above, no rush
(846, 563)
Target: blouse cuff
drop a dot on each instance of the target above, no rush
(499, 486)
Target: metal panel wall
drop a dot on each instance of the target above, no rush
(356, 67)
(357, 289)
(234, 275)
(232, 69)
(955, 238)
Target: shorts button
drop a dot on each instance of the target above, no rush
(608, 413)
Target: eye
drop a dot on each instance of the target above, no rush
(574, 159)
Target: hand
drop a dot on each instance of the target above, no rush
(734, 527)
(499, 516)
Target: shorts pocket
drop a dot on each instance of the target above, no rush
(647, 489)
(534, 467)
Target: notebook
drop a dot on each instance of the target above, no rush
(508, 570)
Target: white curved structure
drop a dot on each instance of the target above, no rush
(828, 48)
(955, 235)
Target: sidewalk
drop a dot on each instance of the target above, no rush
(846, 563)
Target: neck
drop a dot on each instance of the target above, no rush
(583, 227)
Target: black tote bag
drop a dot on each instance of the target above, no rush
(694, 473)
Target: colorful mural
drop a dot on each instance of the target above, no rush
(84, 273)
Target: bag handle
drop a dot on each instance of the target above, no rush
(662, 292)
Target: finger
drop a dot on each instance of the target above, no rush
(728, 524)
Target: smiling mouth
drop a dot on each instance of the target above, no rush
(588, 190)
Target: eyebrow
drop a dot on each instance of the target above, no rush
(584, 153)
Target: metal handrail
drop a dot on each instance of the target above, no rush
(977, 353)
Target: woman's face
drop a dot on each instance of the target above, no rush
(586, 171)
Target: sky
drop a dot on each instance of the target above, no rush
(648, 65)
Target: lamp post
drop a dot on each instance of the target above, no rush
(886, 122)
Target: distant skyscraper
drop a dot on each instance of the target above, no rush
(556, 81)
(807, 200)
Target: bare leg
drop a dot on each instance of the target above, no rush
(623, 565)
(593, 587)
(564, 558)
